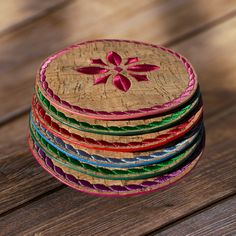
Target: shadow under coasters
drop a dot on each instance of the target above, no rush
(116, 117)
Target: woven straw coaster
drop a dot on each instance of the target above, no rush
(116, 117)
(63, 159)
(116, 143)
(116, 79)
(127, 188)
(125, 159)
(118, 127)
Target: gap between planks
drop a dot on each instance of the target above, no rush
(37, 198)
(190, 215)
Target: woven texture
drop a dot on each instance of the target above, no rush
(165, 122)
(142, 172)
(116, 117)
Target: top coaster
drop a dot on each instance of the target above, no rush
(116, 79)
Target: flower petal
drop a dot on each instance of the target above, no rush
(131, 60)
(101, 80)
(92, 70)
(122, 82)
(114, 58)
(143, 68)
(98, 61)
(139, 77)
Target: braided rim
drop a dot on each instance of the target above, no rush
(131, 189)
(160, 140)
(57, 101)
(158, 156)
(115, 174)
(166, 121)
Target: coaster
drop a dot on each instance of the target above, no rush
(116, 117)
(113, 143)
(116, 79)
(126, 189)
(64, 160)
(121, 127)
(124, 160)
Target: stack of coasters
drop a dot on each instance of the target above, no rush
(116, 117)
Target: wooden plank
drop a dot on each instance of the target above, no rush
(14, 13)
(213, 57)
(217, 220)
(21, 179)
(162, 21)
(214, 178)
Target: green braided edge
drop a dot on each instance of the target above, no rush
(114, 130)
(113, 174)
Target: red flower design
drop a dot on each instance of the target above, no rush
(120, 81)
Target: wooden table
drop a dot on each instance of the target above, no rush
(204, 203)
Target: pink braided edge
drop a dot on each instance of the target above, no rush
(119, 114)
(96, 187)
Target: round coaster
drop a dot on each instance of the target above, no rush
(64, 160)
(114, 159)
(116, 79)
(120, 127)
(112, 143)
(127, 188)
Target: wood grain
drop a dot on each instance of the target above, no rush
(15, 13)
(213, 93)
(20, 175)
(217, 220)
(65, 28)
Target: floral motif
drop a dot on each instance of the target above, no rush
(117, 68)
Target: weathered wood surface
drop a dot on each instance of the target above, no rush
(15, 14)
(32, 202)
(217, 220)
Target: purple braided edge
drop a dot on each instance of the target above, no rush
(102, 187)
(163, 107)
